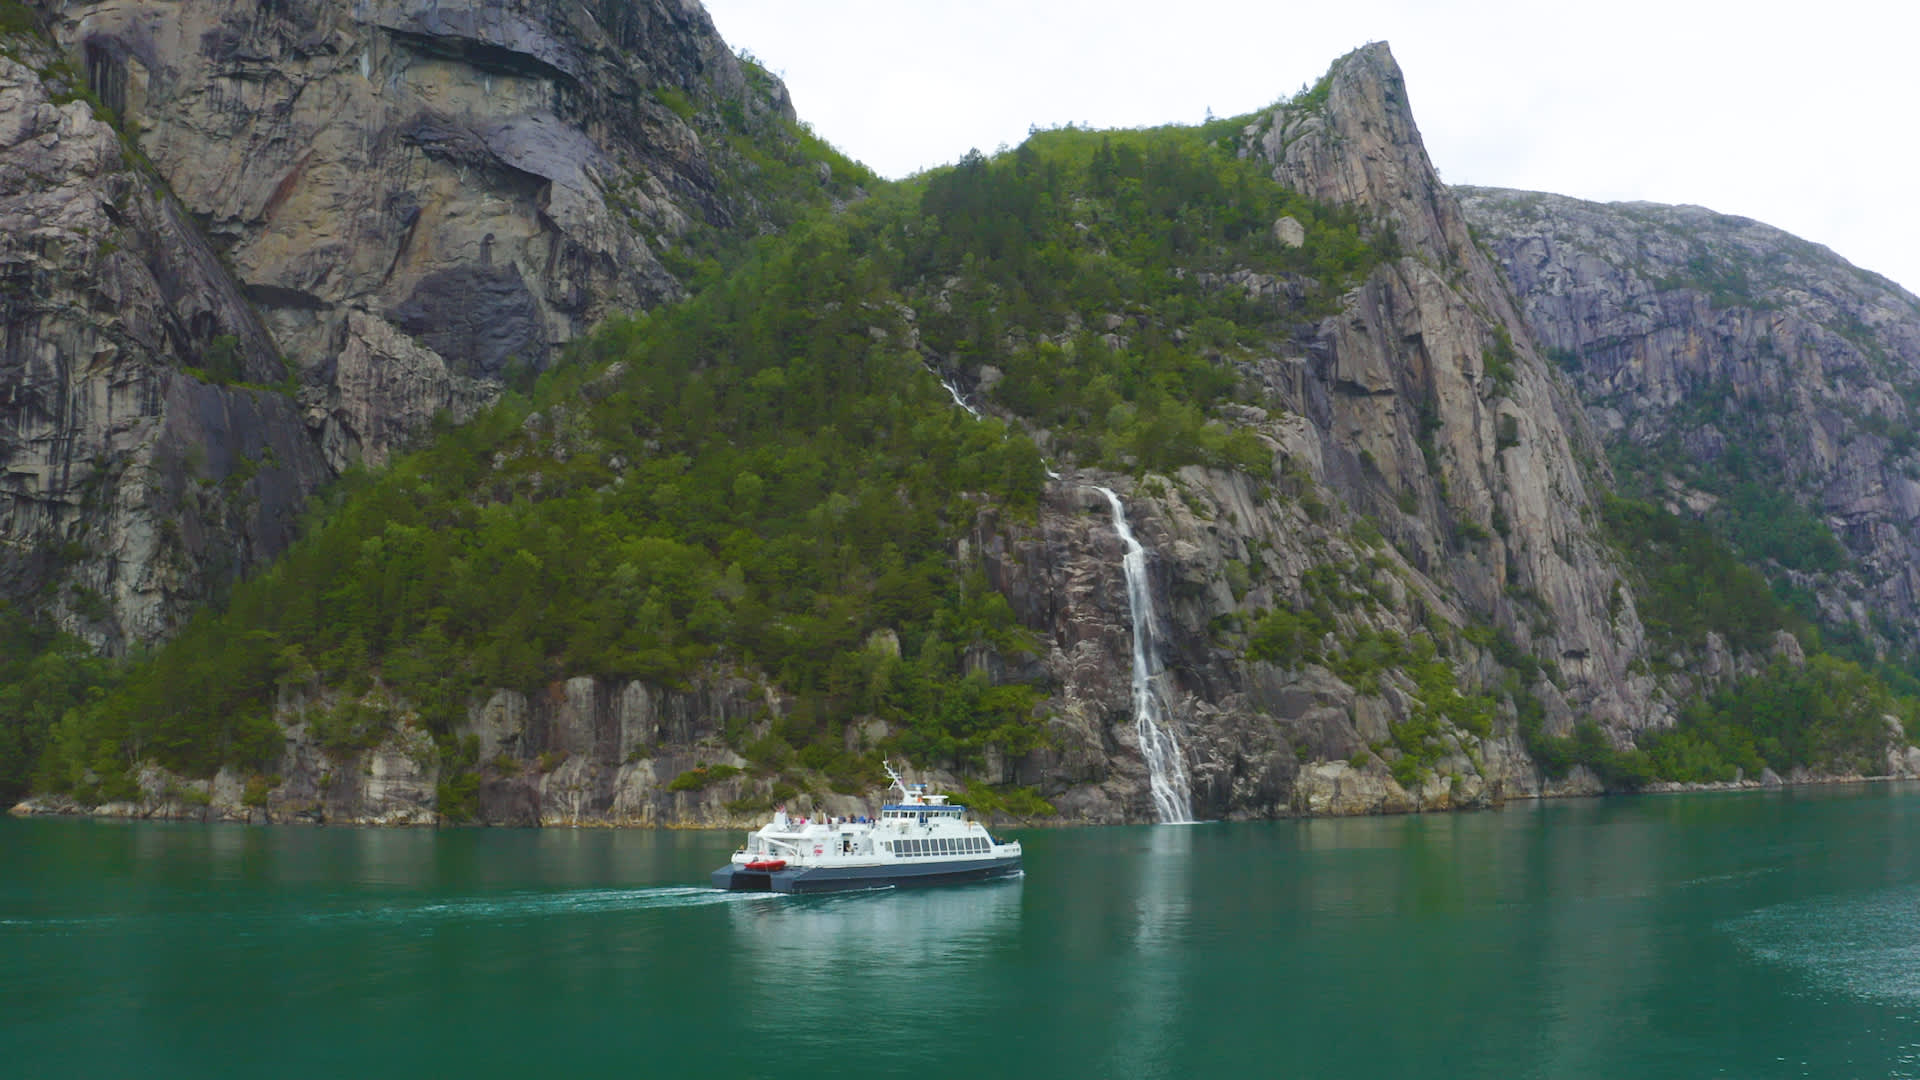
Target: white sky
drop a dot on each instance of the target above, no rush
(1801, 115)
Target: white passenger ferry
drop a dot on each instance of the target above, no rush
(920, 840)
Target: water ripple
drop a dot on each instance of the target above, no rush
(1867, 947)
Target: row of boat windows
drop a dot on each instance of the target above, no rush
(922, 812)
(958, 845)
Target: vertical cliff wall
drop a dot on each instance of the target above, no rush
(419, 197)
(1722, 356)
(132, 485)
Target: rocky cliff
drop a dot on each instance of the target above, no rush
(384, 211)
(1428, 463)
(1716, 354)
(419, 196)
(131, 487)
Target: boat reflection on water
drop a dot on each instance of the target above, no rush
(886, 928)
(828, 949)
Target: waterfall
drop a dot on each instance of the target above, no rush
(961, 401)
(1166, 767)
(958, 398)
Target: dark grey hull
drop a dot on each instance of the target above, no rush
(819, 879)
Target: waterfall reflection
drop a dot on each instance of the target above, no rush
(1149, 1035)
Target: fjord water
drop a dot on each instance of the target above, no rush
(1751, 935)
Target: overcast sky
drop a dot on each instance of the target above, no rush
(1801, 116)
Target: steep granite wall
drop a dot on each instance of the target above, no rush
(420, 196)
(1724, 345)
(130, 488)
(380, 210)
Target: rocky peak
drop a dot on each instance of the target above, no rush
(1351, 140)
(1443, 420)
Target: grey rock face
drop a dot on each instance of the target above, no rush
(1747, 347)
(477, 318)
(128, 487)
(490, 180)
(390, 206)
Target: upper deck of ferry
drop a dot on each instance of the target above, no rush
(921, 810)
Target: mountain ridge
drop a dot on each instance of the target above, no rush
(1383, 552)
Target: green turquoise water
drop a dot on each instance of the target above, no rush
(1750, 935)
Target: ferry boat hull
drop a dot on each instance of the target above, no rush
(821, 879)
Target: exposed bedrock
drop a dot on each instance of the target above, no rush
(1754, 352)
(316, 227)
(491, 179)
(131, 486)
